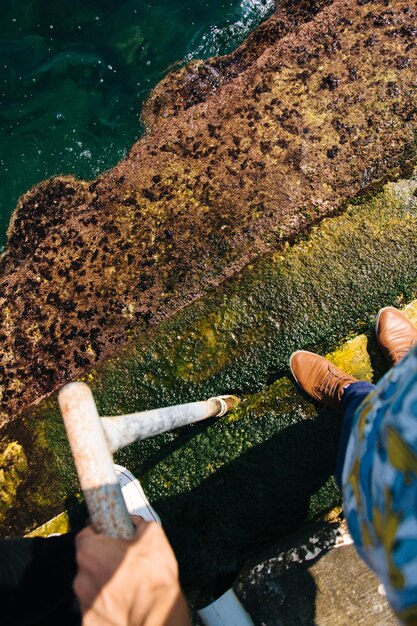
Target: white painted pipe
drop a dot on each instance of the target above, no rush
(225, 611)
(90, 439)
(94, 462)
(122, 430)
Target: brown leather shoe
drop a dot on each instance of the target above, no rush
(322, 380)
(395, 334)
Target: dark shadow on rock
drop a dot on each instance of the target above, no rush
(277, 588)
(378, 362)
(272, 375)
(77, 513)
(297, 589)
(265, 494)
(185, 435)
(260, 497)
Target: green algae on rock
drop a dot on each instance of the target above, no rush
(323, 113)
(13, 472)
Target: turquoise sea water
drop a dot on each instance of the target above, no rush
(73, 76)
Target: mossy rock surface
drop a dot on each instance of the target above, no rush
(227, 487)
(320, 108)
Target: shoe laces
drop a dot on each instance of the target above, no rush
(331, 384)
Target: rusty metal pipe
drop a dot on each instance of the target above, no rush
(94, 462)
(122, 430)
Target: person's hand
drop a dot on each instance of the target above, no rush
(129, 583)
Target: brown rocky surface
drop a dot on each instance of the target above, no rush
(196, 81)
(324, 112)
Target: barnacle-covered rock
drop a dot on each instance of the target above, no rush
(325, 111)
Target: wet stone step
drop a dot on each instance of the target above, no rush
(314, 577)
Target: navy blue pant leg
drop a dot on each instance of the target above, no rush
(351, 399)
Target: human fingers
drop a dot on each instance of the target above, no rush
(152, 532)
(137, 520)
(151, 544)
(85, 544)
(93, 618)
(98, 556)
(85, 590)
(85, 534)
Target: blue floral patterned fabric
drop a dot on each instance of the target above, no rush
(380, 485)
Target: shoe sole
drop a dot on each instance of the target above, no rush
(136, 501)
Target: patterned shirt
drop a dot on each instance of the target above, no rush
(380, 485)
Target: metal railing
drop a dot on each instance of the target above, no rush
(93, 440)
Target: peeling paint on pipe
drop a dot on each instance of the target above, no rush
(94, 462)
(125, 429)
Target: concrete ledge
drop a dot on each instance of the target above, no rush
(313, 578)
